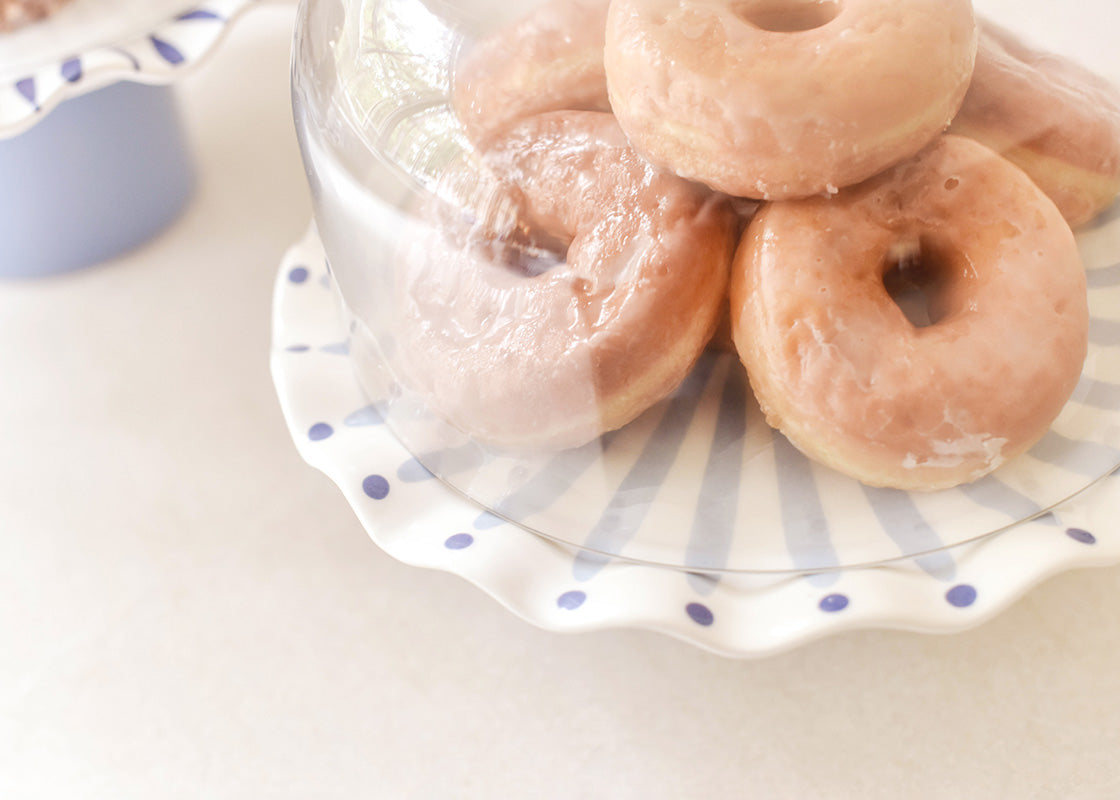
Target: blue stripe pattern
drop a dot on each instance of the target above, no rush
(804, 522)
(622, 518)
(453, 460)
(904, 524)
(1097, 394)
(1090, 459)
(551, 483)
(994, 494)
(1103, 277)
(1104, 332)
(713, 528)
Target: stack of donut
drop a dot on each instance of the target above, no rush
(884, 143)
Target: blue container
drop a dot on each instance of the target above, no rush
(101, 174)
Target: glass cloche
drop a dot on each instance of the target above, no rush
(596, 262)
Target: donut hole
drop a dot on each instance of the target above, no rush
(532, 251)
(787, 16)
(917, 276)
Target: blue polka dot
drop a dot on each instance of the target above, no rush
(460, 541)
(375, 486)
(701, 614)
(298, 348)
(320, 431)
(834, 603)
(961, 596)
(298, 275)
(571, 600)
(1080, 535)
(71, 70)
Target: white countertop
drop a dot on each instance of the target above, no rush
(188, 610)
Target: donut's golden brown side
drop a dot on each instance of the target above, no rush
(551, 356)
(1057, 120)
(549, 60)
(845, 375)
(771, 100)
(721, 341)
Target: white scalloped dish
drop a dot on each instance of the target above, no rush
(90, 44)
(696, 518)
(562, 586)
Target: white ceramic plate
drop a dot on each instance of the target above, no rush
(92, 43)
(421, 521)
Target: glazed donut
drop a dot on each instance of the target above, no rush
(851, 381)
(527, 357)
(778, 99)
(549, 60)
(1055, 119)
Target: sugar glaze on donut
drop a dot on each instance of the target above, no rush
(842, 372)
(547, 358)
(778, 99)
(549, 60)
(1057, 120)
